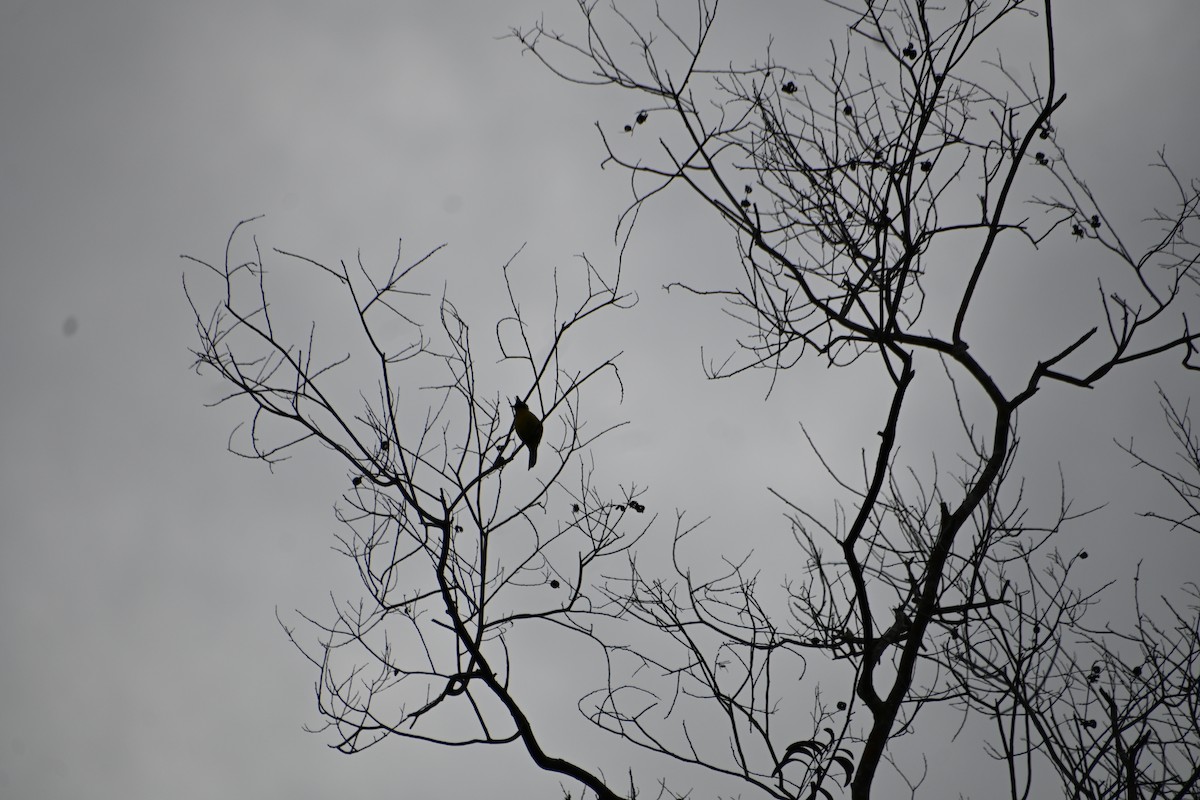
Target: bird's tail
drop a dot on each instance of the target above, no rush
(532, 457)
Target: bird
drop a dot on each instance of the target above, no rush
(894, 634)
(528, 428)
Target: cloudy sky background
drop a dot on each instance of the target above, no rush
(141, 565)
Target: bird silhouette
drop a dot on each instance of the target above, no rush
(894, 634)
(528, 428)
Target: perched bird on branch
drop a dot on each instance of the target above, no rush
(894, 634)
(528, 428)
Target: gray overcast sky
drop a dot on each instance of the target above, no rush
(140, 564)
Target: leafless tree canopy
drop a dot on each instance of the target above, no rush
(871, 196)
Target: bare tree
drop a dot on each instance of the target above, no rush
(869, 200)
(452, 557)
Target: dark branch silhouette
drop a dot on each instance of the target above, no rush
(875, 200)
